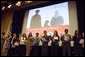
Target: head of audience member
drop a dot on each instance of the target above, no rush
(45, 32)
(14, 35)
(30, 35)
(37, 34)
(55, 33)
(66, 31)
(76, 32)
(24, 35)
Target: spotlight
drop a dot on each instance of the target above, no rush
(3, 8)
(18, 3)
(28, 1)
(9, 6)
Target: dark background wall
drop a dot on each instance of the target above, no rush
(80, 13)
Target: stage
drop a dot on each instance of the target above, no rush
(21, 50)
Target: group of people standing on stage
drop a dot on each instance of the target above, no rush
(10, 41)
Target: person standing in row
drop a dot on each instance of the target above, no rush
(83, 44)
(66, 43)
(8, 43)
(55, 46)
(29, 44)
(13, 41)
(19, 36)
(23, 44)
(23, 39)
(36, 41)
(45, 40)
(83, 39)
(77, 45)
(2, 39)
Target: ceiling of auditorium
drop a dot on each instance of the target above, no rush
(23, 4)
(2, 2)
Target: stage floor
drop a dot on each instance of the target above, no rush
(21, 51)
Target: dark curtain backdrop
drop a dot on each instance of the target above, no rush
(80, 12)
(18, 18)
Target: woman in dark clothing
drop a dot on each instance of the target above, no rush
(82, 44)
(77, 45)
(13, 41)
(55, 46)
(2, 40)
(9, 39)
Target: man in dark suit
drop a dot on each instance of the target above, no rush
(45, 40)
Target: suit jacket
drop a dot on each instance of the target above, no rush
(46, 38)
(63, 39)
